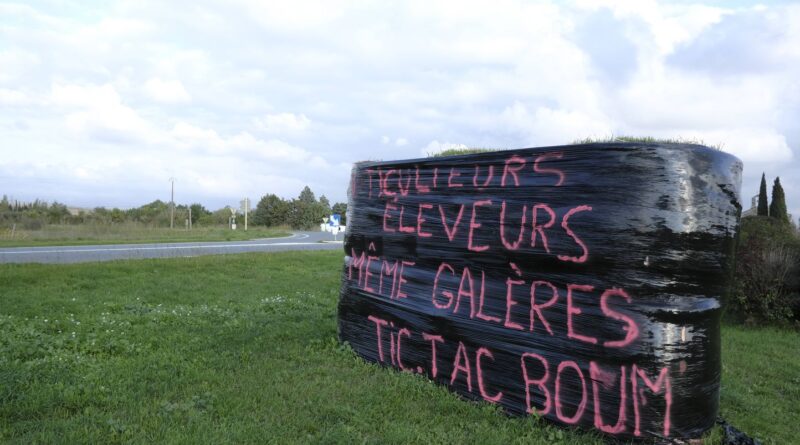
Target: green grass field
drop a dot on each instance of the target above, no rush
(89, 234)
(243, 349)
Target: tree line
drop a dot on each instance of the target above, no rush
(304, 212)
(35, 215)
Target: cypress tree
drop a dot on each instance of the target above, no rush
(762, 197)
(777, 208)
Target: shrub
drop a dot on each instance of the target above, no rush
(767, 287)
(29, 223)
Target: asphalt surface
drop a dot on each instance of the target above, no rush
(109, 252)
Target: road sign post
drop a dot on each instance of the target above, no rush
(244, 206)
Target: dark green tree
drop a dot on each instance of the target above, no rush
(763, 209)
(117, 215)
(155, 213)
(57, 213)
(306, 212)
(307, 196)
(323, 201)
(219, 217)
(777, 208)
(271, 210)
(198, 211)
(302, 215)
(340, 208)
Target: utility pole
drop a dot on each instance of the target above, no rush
(172, 204)
(190, 217)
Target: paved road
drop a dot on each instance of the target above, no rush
(80, 254)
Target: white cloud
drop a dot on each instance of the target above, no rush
(280, 91)
(17, 64)
(13, 97)
(298, 15)
(85, 96)
(189, 134)
(547, 126)
(97, 112)
(166, 91)
(242, 145)
(751, 145)
(283, 123)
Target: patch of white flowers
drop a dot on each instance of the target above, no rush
(273, 299)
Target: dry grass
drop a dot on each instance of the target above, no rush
(646, 140)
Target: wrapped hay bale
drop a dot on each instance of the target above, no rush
(581, 283)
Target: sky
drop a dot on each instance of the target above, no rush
(102, 102)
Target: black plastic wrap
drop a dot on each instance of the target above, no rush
(581, 282)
